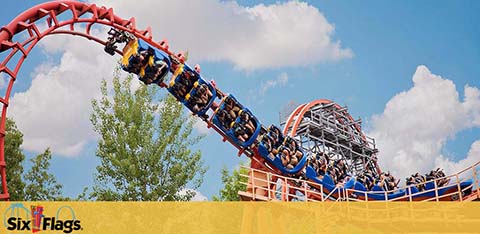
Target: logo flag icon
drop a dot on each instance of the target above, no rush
(37, 214)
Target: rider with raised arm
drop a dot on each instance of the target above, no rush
(418, 180)
(138, 61)
(155, 73)
(387, 181)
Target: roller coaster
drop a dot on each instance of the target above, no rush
(321, 154)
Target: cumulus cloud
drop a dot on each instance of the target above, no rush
(281, 80)
(415, 125)
(472, 104)
(449, 165)
(263, 36)
(3, 80)
(198, 196)
(54, 111)
(201, 127)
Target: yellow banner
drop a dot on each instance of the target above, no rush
(238, 217)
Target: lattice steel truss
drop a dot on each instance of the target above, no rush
(326, 127)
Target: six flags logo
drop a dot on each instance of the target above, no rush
(38, 221)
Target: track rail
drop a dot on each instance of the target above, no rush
(83, 17)
(322, 113)
(298, 114)
(263, 186)
(79, 21)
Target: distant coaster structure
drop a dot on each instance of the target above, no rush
(283, 163)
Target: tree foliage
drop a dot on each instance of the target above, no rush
(42, 185)
(14, 159)
(144, 148)
(232, 183)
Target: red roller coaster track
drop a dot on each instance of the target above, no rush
(81, 13)
(84, 16)
(296, 116)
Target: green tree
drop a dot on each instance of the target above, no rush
(232, 183)
(14, 159)
(42, 185)
(144, 148)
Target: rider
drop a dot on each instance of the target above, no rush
(183, 85)
(369, 179)
(295, 154)
(138, 61)
(318, 165)
(240, 132)
(246, 122)
(155, 73)
(224, 118)
(323, 165)
(436, 175)
(285, 157)
(267, 142)
(441, 174)
(419, 181)
(277, 136)
(287, 153)
(231, 107)
(201, 98)
(387, 181)
(332, 173)
(340, 170)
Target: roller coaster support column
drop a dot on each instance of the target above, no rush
(258, 179)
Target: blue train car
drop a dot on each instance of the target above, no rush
(273, 139)
(191, 89)
(327, 182)
(182, 81)
(150, 64)
(157, 66)
(130, 58)
(194, 101)
(378, 193)
(228, 117)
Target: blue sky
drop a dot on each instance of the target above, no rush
(388, 41)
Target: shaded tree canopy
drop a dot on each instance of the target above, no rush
(145, 145)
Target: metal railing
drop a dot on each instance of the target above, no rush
(281, 188)
(270, 186)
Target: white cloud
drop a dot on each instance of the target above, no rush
(3, 80)
(472, 104)
(281, 80)
(201, 127)
(451, 166)
(54, 112)
(198, 196)
(416, 124)
(263, 36)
